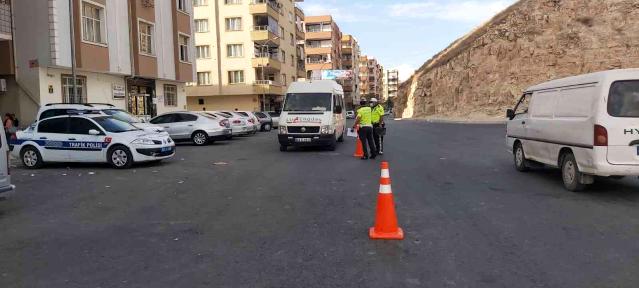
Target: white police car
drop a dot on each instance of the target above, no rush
(90, 138)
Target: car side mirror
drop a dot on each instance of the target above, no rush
(338, 110)
(510, 113)
(94, 132)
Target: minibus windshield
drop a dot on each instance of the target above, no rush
(308, 102)
(624, 99)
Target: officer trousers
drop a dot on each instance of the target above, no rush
(377, 135)
(366, 136)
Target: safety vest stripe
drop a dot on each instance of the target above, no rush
(385, 189)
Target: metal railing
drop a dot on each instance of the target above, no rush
(267, 82)
(273, 56)
(273, 4)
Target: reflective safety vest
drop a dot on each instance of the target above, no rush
(378, 113)
(365, 115)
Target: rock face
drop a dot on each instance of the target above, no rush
(533, 41)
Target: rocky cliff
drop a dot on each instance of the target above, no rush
(533, 41)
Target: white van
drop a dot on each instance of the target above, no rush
(5, 173)
(587, 125)
(313, 115)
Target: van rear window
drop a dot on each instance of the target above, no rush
(624, 99)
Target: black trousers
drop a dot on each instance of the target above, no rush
(366, 136)
(379, 138)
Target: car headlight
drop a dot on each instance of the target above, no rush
(143, 141)
(326, 129)
(283, 129)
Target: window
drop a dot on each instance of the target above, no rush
(80, 95)
(522, 106)
(292, 60)
(93, 24)
(200, 101)
(81, 126)
(284, 79)
(166, 118)
(203, 52)
(183, 42)
(313, 27)
(292, 39)
(236, 77)
(170, 95)
(181, 5)
(232, 2)
(233, 24)
(201, 25)
(290, 16)
(146, 38)
(283, 56)
(58, 125)
(185, 117)
(203, 78)
(235, 50)
(624, 99)
(282, 33)
(197, 3)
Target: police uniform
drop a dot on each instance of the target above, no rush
(365, 115)
(377, 114)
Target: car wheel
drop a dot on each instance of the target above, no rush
(520, 158)
(283, 148)
(31, 158)
(267, 127)
(570, 174)
(120, 157)
(200, 138)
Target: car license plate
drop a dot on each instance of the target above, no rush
(303, 140)
(166, 149)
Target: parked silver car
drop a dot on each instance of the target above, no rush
(201, 128)
(251, 120)
(266, 122)
(239, 125)
(275, 117)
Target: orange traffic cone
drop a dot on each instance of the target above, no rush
(359, 150)
(385, 218)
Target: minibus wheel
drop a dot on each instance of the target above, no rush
(570, 174)
(520, 158)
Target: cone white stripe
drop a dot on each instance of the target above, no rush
(385, 189)
(385, 173)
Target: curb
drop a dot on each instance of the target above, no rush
(448, 121)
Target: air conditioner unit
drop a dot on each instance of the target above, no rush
(3, 85)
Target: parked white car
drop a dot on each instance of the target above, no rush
(253, 119)
(239, 125)
(6, 188)
(90, 138)
(586, 125)
(201, 128)
(275, 116)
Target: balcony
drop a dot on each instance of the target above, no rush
(268, 87)
(262, 7)
(262, 35)
(266, 60)
(299, 33)
(310, 50)
(319, 35)
(347, 49)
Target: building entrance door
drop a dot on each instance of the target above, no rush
(141, 94)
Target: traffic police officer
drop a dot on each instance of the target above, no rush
(364, 120)
(378, 124)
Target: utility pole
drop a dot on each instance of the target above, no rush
(72, 36)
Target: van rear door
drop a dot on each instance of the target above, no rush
(623, 124)
(5, 180)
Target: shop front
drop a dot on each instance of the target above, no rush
(141, 97)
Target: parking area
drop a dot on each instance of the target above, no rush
(241, 213)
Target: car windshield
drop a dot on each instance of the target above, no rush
(624, 99)
(113, 125)
(308, 102)
(122, 115)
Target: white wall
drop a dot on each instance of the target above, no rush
(99, 87)
(181, 95)
(118, 36)
(61, 35)
(165, 42)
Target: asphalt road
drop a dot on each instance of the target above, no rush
(243, 214)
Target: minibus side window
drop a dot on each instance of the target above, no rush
(623, 100)
(523, 105)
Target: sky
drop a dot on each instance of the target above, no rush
(403, 34)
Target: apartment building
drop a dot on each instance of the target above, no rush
(392, 85)
(350, 56)
(371, 75)
(8, 102)
(323, 45)
(247, 53)
(134, 54)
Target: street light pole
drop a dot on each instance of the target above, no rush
(73, 64)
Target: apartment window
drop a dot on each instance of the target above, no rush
(283, 56)
(282, 33)
(292, 39)
(313, 28)
(201, 25)
(203, 52)
(183, 42)
(93, 23)
(233, 24)
(181, 5)
(170, 95)
(326, 27)
(234, 50)
(292, 60)
(67, 89)
(203, 78)
(232, 2)
(146, 38)
(284, 79)
(236, 77)
(197, 3)
(290, 16)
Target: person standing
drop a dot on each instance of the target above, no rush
(378, 125)
(364, 120)
(9, 126)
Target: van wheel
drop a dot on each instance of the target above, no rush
(570, 174)
(120, 157)
(520, 158)
(31, 158)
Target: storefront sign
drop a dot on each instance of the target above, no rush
(118, 91)
(337, 74)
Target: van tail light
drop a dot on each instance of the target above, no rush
(601, 136)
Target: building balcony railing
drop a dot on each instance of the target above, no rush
(317, 61)
(266, 60)
(272, 8)
(268, 87)
(264, 35)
